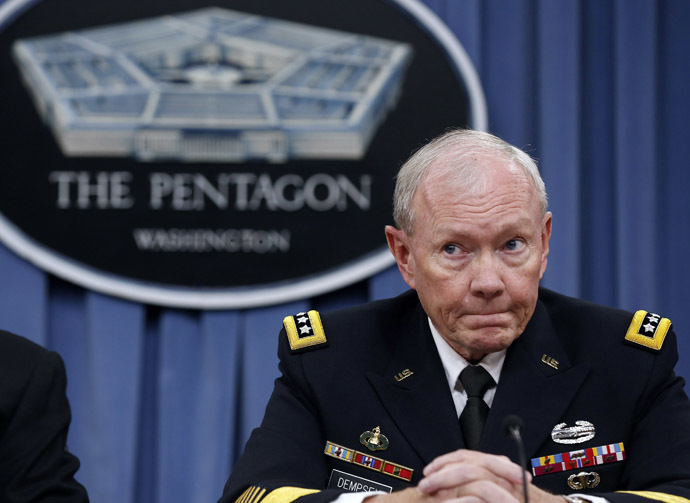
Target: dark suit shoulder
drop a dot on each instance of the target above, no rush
(34, 420)
(19, 356)
(20, 344)
(20, 361)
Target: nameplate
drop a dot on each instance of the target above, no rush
(355, 484)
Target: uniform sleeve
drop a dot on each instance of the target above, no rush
(34, 463)
(283, 459)
(658, 458)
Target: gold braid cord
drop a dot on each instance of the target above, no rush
(251, 495)
(255, 494)
(666, 498)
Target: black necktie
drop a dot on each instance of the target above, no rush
(476, 381)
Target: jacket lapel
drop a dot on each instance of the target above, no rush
(422, 408)
(420, 404)
(531, 388)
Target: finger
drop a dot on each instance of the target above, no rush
(501, 466)
(482, 491)
(464, 499)
(465, 455)
(457, 474)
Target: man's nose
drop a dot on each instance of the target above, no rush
(486, 277)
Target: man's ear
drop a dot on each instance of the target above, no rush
(399, 245)
(545, 238)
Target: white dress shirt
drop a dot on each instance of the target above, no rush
(453, 364)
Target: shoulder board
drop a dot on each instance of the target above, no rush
(648, 330)
(259, 494)
(304, 330)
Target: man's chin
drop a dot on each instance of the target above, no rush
(477, 343)
(491, 339)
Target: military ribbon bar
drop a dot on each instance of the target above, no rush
(338, 451)
(397, 471)
(367, 461)
(582, 458)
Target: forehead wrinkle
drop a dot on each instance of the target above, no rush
(495, 199)
(458, 209)
(499, 229)
(446, 193)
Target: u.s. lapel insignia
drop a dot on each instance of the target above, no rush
(403, 375)
(550, 361)
(648, 330)
(304, 330)
(583, 480)
(581, 432)
(374, 440)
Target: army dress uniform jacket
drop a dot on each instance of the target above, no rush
(380, 367)
(34, 419)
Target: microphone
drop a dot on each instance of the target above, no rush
(513, 426)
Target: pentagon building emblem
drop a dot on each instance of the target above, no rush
(213, 85)
(220, 154)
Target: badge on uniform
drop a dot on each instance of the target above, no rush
(584, 480)
(581, 432)
(403, 375)
(353, 483)
(648, 330)
(550, 361)
(374, 440)
(304, 330)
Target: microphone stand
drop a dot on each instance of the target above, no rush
(513, 425)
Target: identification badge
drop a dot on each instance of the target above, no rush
(355, 484)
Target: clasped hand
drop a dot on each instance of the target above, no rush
(465, 476)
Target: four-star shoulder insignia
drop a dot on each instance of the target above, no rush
(304, 330)
(648, 330)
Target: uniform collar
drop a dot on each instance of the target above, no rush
(453, 364)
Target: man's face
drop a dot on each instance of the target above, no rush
(476, 260)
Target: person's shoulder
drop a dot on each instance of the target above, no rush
(382, 309)
(564, 306)
(357, 326)
(599, 325)
(19, 355)
(13, 346)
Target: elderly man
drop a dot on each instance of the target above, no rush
(403, 400)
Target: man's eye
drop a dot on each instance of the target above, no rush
(451, 249)
(513, 244)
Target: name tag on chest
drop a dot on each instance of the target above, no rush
(355, 484)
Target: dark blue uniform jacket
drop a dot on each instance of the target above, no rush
(336, 391)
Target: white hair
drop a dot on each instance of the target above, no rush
(460, 148)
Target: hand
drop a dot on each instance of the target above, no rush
(465, 476)
(475, 475)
